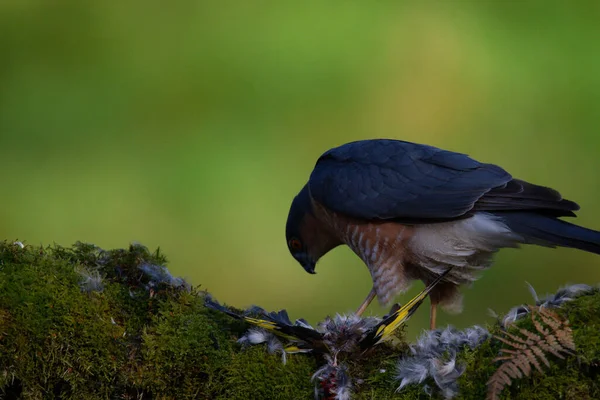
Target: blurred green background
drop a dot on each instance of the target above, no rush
(192, 126)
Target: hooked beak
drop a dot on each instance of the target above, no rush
(307, 263)
(309, 267)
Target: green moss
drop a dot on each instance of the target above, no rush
(573, 378)
(584, 317)
(138, 336)
(253, 374)
(53, 336)
(134, 337)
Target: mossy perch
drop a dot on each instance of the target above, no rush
(81, 322)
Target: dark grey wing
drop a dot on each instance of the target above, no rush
(518, 195)
(391, 179)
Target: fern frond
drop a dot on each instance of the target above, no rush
(527, 350)
(550, 318)
(540, 355)
(522, 361)
(516, 341)
(494, 389)
(549, 348)
(566, 339)
(513, 371)
(562, 333)
(533, 359)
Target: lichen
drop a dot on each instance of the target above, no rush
(83, 322)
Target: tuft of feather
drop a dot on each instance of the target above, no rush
(256, 336)
(334, 381)
(160, 274)
(342, 333)
(91, 280)
(514, 314)
(563, 295)
(411, 371)
(434, 356)
(343, 384)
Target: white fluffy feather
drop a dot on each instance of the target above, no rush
(468, 243)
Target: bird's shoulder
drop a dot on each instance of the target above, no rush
(398, 154)
(387, 178)
(377, 150)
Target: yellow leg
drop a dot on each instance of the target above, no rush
(432, 314)
(366, 302)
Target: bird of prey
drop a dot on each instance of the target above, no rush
(411, 211)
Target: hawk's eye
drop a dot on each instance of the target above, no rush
(295, 244)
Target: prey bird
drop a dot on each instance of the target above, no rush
(411, 211)
(342, 333)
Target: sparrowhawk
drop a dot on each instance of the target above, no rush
(411, 211)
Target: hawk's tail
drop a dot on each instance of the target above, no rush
(549, 231)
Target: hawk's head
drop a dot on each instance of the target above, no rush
(307, 238)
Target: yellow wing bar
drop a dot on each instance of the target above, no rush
(385, 328)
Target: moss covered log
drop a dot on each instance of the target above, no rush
(81, 322)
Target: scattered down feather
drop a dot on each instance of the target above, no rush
(563, 295)
(434, 356)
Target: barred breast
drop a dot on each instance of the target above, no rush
(382, 246)
(398, 254)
